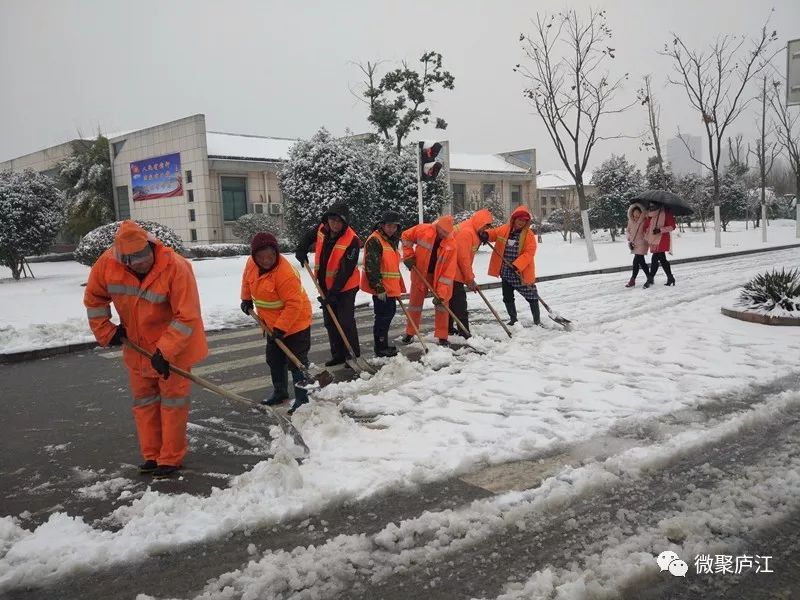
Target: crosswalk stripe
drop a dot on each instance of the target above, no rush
(230, 365)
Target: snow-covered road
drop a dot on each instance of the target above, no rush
(660, 372)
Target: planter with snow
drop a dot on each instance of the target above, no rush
(770, 299)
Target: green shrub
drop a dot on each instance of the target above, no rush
(98, 240)
(769, 291)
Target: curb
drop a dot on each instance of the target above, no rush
(759, 318)
(45, 352)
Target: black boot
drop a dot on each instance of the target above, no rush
(386, 351)
(535, 312)
(668, 271)
(511, 308)
(335, 361)
(407, 338)
(165, 471)
(280, 385)
(147, 467)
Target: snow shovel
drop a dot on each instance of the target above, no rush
(322, 378)
(565, 323)
(456, 320)
(284, 423)
(413, 325)
(357, 363)
(494, 312)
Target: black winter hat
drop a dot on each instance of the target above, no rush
(391, 216)
(339, 209)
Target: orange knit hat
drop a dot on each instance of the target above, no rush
(130, 238)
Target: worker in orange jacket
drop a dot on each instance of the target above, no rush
(272, 287)
(381, 277)
(431, 248)
(336, 250)
(467, 237)
(155, 294)
(516, 243)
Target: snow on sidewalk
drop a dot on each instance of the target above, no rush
(633, 353)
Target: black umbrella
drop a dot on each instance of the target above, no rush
(678, 206)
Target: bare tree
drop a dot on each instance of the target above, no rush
(653, 139)
(571, 89)
(715, 80)
(788, 132)
(765, 153)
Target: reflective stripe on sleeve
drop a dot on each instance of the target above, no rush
(446, 280)
(182, 327)
(424, 244)
(94, 313)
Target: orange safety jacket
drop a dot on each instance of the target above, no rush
(161, 311)
(526, 251)
(468, 242)
(423, 236)
(390, 269)
(335, 259)
(278, 295)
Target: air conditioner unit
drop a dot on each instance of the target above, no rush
(259, 208)
(275, 209)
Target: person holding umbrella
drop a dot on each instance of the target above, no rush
(657, 227)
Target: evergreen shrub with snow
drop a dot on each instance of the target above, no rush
(213, 250)
(97, 241)
(369, 177)
(617, 182)
(32, 211)
(247, 226)
(773, 290)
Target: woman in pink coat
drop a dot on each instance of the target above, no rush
(657, 227)
(636, 242)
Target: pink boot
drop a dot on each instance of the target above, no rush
(631, 283)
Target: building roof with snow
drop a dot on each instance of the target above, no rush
(488, 163)
(248, 147)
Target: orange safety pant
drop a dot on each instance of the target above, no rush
(416, 297)
(161, 411)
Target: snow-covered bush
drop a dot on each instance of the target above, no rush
(617, 182)
(97, 241)
(212, 250)
(369, 177)
(32, 211)
(494, 202)
(247, 226)
(769, 291)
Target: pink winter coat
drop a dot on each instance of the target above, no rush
(636, 230)
(662, 219)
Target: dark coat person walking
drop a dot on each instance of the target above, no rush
(636, 241)
(381, 278)
(336, 249)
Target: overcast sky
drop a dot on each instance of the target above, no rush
(286, 68)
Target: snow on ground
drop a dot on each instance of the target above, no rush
(48, 311)
(633, 354)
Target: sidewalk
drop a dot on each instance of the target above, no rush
(79, 347)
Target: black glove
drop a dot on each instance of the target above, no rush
(323, 302)
(410, 263)
(302, 258)
(437, 302)
(332, 297)
(484, 237)
(630, 245)
(160, 364)
(657, 230)
(116, 339)
(246, 306)
(278, 334)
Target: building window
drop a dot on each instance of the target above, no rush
(123, 204)
(190, 195)
(544, 212)
(488, 190)
(459, 197)
(117, 147)
(516, 195)
(188, 177)
(234, 197)
(193, 234)
(191, 215)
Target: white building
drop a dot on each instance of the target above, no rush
(680, 158)
(198, 182)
